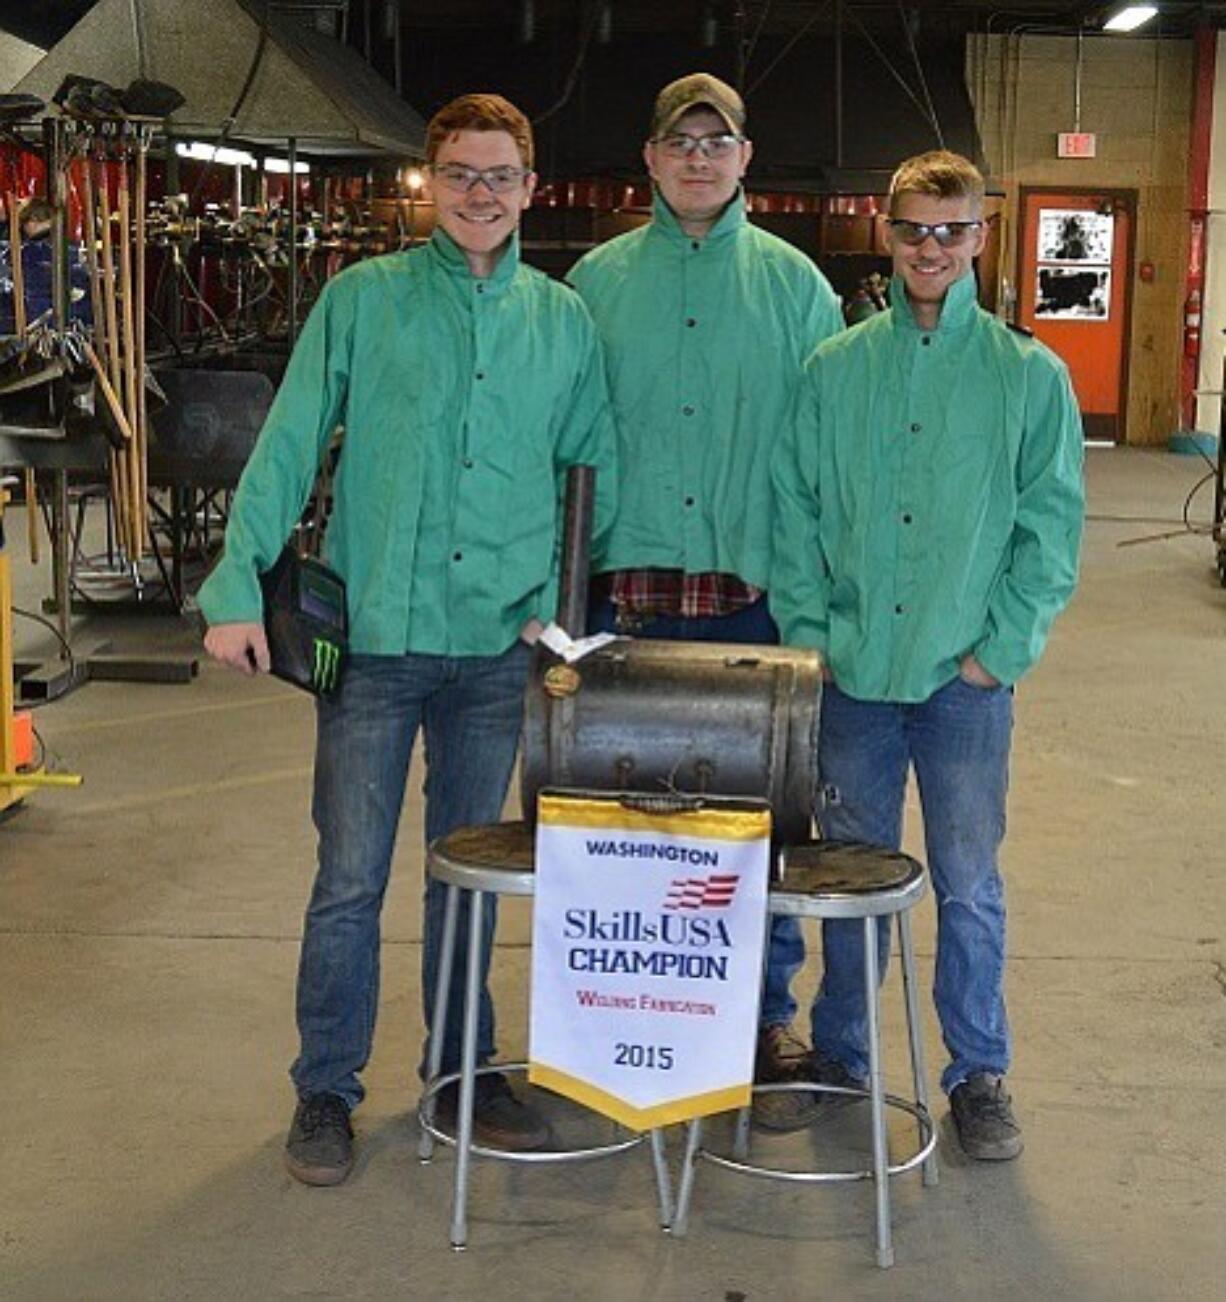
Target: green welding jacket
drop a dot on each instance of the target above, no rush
(704, 342)
(463, 403)
(930, 501)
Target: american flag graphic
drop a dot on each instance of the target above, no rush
(714, 892)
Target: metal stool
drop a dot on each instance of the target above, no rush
(496, 859)
(838, 880)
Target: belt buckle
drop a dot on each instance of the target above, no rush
(628, 621)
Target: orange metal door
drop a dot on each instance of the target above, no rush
(1074, 278)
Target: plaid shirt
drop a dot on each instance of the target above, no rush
(643, 594)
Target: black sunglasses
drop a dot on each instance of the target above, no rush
(946, 234)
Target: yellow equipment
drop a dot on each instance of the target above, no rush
(14, 785)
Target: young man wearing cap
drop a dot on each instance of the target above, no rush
(706, 321)
(467, 384)
(930, 516)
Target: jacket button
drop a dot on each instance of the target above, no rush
(687, 410)
(916, 427)
(459, 556)
(689, 321)
(898, 609)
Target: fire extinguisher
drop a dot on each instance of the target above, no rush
(1191, 325)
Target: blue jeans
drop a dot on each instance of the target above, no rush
(785, 952)
(469, 709)
(958, 740)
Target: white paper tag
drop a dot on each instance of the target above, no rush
(560, 642)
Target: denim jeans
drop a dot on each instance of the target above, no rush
(785, 952)
(469, 709)
(958, 740)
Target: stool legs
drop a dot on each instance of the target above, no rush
(876, 1088)
(693, 1143)
(438, 1024)
(744, 1117)
(469, 1069)
(915, 1037)
(881, 1169)
(740, 1136)
(468, 1075)
(664, 1185)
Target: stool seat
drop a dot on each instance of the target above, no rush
(843, 879)
(494, 845)
(845, 867)
(496, 857)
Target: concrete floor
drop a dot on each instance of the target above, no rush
(148, 942)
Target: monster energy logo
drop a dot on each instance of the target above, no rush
(327, 665)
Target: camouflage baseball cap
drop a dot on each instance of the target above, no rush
(698, 90)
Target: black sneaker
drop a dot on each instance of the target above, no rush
(319, 1149)
(781, 1056)
(983, 1117)
(501, 1119)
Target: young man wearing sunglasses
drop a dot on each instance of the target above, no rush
(706, 321)
(930, 516)
(467, 384)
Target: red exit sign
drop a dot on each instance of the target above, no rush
(1076, 144)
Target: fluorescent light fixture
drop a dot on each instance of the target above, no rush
(1129, 18)
(207, 153)
(282, 165)
(203, 152)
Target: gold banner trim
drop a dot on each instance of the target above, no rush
(711, 824)
(663, 1114)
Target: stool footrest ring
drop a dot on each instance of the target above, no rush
(917, 1110)
(546, 1157)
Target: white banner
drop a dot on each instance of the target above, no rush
(647, 935)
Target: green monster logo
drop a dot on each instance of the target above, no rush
(327, 665)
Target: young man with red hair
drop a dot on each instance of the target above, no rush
(467, 383)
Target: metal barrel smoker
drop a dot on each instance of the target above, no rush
(663, 726)
(661, 719)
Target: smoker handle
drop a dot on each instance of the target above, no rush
(673, 802)
(576, 549)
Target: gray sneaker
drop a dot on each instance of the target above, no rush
(781, 1057)
(983, 1117)
(319, 1148)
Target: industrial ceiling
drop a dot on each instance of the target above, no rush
(43, 22)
